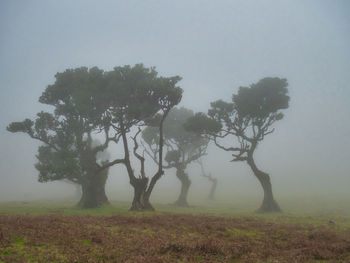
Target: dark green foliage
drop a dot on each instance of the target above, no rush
(221, 110)
(136, 94)
(131, 93)
(58, 157)
(74, 93)
(262, 99)
(57, 165)
(202, 124)
(248, 117)
(173, 156)
(24, 126)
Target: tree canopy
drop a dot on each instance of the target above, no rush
(137, 96)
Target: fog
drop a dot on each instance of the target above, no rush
(216, 47)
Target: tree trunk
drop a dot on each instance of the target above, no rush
(139, 185)
(212, 189)
(147, 204)
(269, 204)
(93, 191)
(185, 185)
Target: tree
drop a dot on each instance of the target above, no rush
(183, 147)
(67, 134)
(136, 97)
(214, 181)
(248, 118)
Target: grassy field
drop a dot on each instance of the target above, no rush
(59, 232)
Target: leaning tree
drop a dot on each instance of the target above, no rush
(138, 96)
(68, 151)
(183, 147)
(248, 119)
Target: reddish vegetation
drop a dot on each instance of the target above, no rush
(166, 238)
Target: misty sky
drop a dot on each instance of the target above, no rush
(216, 46)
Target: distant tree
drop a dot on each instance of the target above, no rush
(68, 152)
(140, 97)
(249, 118)
(214, 181)
(183, 147)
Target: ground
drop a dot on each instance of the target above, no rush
(58, 233)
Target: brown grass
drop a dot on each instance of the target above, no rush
(167, 238)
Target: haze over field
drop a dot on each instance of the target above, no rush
(216, 47)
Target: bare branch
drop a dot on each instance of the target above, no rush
(266, 133)
(194, 157)
(203, 174)
(154, 151)
(225, 148)
(236, 159)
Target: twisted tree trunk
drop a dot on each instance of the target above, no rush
(146, 197)
(185, 185)
(140, 185)
(93, 191)
(269, 204)
(147, 204)
(213, 181)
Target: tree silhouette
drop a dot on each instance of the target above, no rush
(90, 102)
(68, 151)
(214, 181)
(183, 147)
(248, 119)
(136, 97)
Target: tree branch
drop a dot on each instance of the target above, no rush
(138, 156)
(44, 141)
(109, 164)
(154, 151)
(225, 148)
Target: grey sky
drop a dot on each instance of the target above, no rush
(216, 46)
